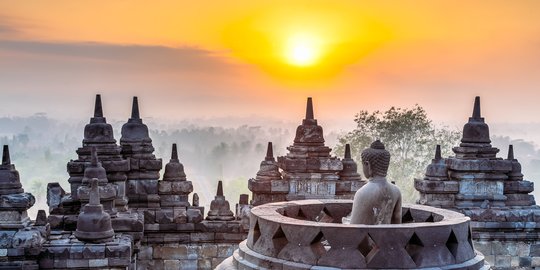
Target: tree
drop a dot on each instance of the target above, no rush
(410, 137)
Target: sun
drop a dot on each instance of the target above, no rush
(302, 50)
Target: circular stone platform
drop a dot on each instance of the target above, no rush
(308, 234)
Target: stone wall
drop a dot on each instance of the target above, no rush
(510, 254)
(184, 256)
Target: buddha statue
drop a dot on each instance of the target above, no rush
(378, 201)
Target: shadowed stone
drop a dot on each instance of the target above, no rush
(142, 187)
(107, 191)
(195, 199)
(510, 152)
(6, 160)
(309, 109)
(10, 182)
(476, 130)
(219, 207)
(269, 152)
(13, 200)
(268, 178)
(135, 109)
(98, 131)
(438, 155)
(93, 224)
(174, 189)
(350, 169)
(99, 134)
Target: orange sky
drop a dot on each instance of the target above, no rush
(215, 58)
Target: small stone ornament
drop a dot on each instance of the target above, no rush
(94, 224)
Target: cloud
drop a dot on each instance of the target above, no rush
(8, 27)
(157, 58)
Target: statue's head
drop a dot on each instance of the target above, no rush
(375, 160)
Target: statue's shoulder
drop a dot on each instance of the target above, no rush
(395, 189)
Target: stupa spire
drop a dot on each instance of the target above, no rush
(174, 153)
(309, 109)
(6, 160)
(135, 109)
(438, 155)
(347, 151)
(510, 152)
(269, 152)
(98, 108)
(219, 189)
(476, 110)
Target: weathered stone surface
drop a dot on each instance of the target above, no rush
(219, 207)
(94, 225)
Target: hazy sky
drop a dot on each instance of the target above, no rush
(189, 59)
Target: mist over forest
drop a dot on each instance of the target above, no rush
(210, 149)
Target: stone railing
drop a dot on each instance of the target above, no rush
(310, 233)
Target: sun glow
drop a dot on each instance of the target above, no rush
(303, 50)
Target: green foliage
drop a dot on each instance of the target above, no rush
(410, 137)
(233, 188)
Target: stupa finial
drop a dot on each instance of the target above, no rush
(98, 109)
(174, 153)
(438, 155)
(347, 151)
(219, 189)
(6, 160)
(269, 152)
(135, 109)
(309, 109)
(476, 111)
(510, 152)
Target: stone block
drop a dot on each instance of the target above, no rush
(525, 261)
(98, 262)
(149, 216)
(535, 262)
(164, 216)
(171, 253)
(225, 250)
(76, 251)
(14, 252)
(171, 264)
(179, 238)
(204, 263)
(208, 250)
(477, 165)
(523, 249)
(194, 215)
(484, 247)
(119, 262)
(514, 263)
(180, 215)
(145, 252)
(188, 264)
(202, 237)
(503, 261)
(535, 250)
(46, 263)
(165, 187)
(182, 187)
(77, 263)
(94, 251)
(499, 248)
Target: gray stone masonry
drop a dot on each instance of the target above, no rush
(491, 191)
